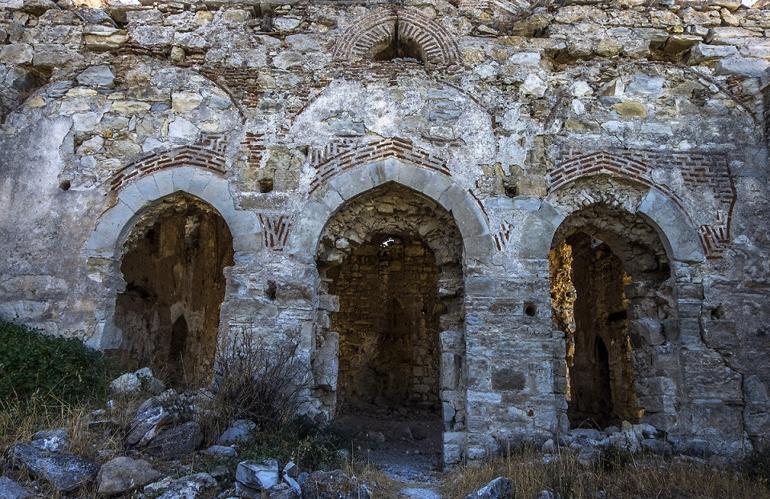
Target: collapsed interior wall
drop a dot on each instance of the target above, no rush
(173, 268)
(393, 260)
(611, 298)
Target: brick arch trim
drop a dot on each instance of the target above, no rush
(336, 158)
(672, 224)
(324, 202)
(368, 32)
(697, 169)
(198, 155)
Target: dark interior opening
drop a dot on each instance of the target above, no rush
(173, 266)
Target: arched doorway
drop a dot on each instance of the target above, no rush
(390, 261)
(173, 266)
(612, 296)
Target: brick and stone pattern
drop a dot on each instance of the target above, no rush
(487, 131)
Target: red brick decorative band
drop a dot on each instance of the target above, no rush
(503, 235)
(339, 157)
(697, 169)
(255, 145)
(207, 154)
(275, 230)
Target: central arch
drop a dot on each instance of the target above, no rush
(478, 243)
(447, 207)
(391, 260)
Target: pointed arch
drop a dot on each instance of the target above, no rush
(104, 246)
(325, 201)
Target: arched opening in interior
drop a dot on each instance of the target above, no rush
(612, 296)
(173, 266)
(391, 260)
(398, 47)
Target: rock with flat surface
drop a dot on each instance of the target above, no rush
(65, 472)
(9, 489)
(199, 485)
(123, 474)
(177, 441)
(258, 476)
(240, 431)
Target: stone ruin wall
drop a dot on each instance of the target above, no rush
(516, 117)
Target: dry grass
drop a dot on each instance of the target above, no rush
(19, 420)
(379, 484)
(619, 476)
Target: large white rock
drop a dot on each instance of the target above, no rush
(258, 476)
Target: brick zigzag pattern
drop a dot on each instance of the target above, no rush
(200, 155)
(377, 28)
(275, 230)
(697, 170)
(340, 157)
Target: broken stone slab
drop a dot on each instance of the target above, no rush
(9, 489)
(126, 384)
(150, 417)
(194, 486)
(65, 472)
(177, 441)
(282, 491)
(291, 470)
(335, 484)
(258, 476)
(57, 440)
(124, 474)
(499, 488)
(238, 432)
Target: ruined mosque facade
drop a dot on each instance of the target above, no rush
(514, 217)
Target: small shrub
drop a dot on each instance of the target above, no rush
(33, 364)
(259, 382)
(311, 448)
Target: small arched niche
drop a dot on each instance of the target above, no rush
(613, 297)
(173, 264)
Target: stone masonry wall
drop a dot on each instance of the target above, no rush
(514, 117)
